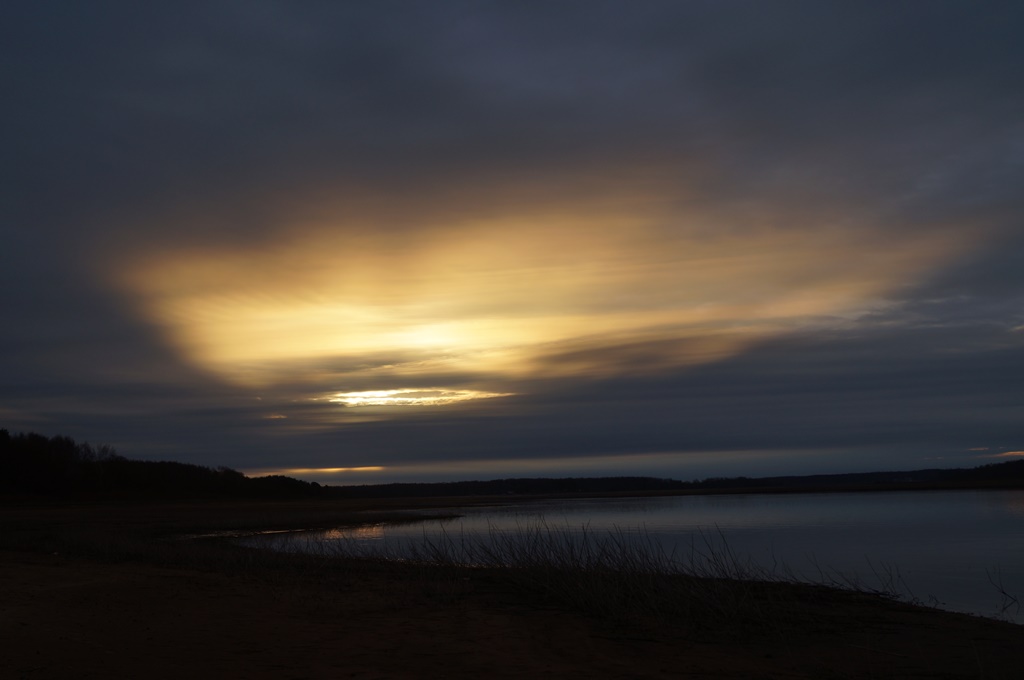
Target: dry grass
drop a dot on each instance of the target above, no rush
(622, 577)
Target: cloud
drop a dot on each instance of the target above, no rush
(496, 290)
(665, 227)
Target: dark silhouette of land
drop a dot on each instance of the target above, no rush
(34, 465)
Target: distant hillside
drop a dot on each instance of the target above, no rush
(58, 467)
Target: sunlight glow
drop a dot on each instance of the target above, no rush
(411, 397)
(326, 471)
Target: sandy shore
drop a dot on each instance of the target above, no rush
(121, 610)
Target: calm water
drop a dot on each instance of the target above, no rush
(947, 547)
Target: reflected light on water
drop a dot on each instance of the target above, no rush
(372, 532)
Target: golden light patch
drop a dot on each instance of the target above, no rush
(411, 397)
(328, 470)
(370, 532)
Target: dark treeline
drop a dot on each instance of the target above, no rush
(58, 467)
(31, 464)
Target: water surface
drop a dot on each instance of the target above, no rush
(952, 549)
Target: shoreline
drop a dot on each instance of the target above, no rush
(93, 592)
(432, 501)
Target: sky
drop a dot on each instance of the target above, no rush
(414, 241)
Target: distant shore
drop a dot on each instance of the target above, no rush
(417, 502)
(60, 469)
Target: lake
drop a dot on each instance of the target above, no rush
(957, 550)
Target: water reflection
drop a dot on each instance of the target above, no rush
(949, 549)
(372, 532)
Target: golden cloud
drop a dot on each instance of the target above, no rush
(501, 295)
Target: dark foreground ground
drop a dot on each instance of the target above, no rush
(105, 592)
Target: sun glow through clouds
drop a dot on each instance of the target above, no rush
(333, 470)
(411, 397)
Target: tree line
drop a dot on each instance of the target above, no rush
(34, 465)
(58, 467)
